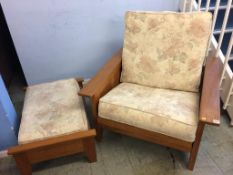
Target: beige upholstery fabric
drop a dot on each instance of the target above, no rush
(170, 112)
(52, 109)
(165, 50)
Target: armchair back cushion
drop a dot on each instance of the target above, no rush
(165, 50)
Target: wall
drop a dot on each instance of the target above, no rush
(59, 39)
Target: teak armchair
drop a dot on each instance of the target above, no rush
(109, 79)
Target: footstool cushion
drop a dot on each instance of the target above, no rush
(52, 109)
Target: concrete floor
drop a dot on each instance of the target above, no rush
(121, 155)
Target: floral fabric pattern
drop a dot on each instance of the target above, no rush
(169, 112)
(165, 50)
(52, 109)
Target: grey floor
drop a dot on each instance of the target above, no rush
(121, 155)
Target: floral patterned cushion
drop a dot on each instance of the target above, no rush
(165, 50)
(169, 112)
(52, 109)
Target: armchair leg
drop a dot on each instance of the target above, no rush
(196, 144)
(99, 131)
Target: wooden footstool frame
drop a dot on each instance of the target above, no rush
(31, 153)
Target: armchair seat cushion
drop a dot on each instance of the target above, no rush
(169, 112)
(52, 109)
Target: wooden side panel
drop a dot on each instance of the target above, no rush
(52, 141)
(28, 154)
(55, 151)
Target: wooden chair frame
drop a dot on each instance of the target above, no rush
(30, 153)
(109, 77)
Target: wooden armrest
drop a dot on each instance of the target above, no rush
(107, 78)
(210, 96)
(52, 141)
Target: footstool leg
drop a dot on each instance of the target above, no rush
(89, 146)
(23, 164)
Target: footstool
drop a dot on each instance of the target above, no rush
(53, 124)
